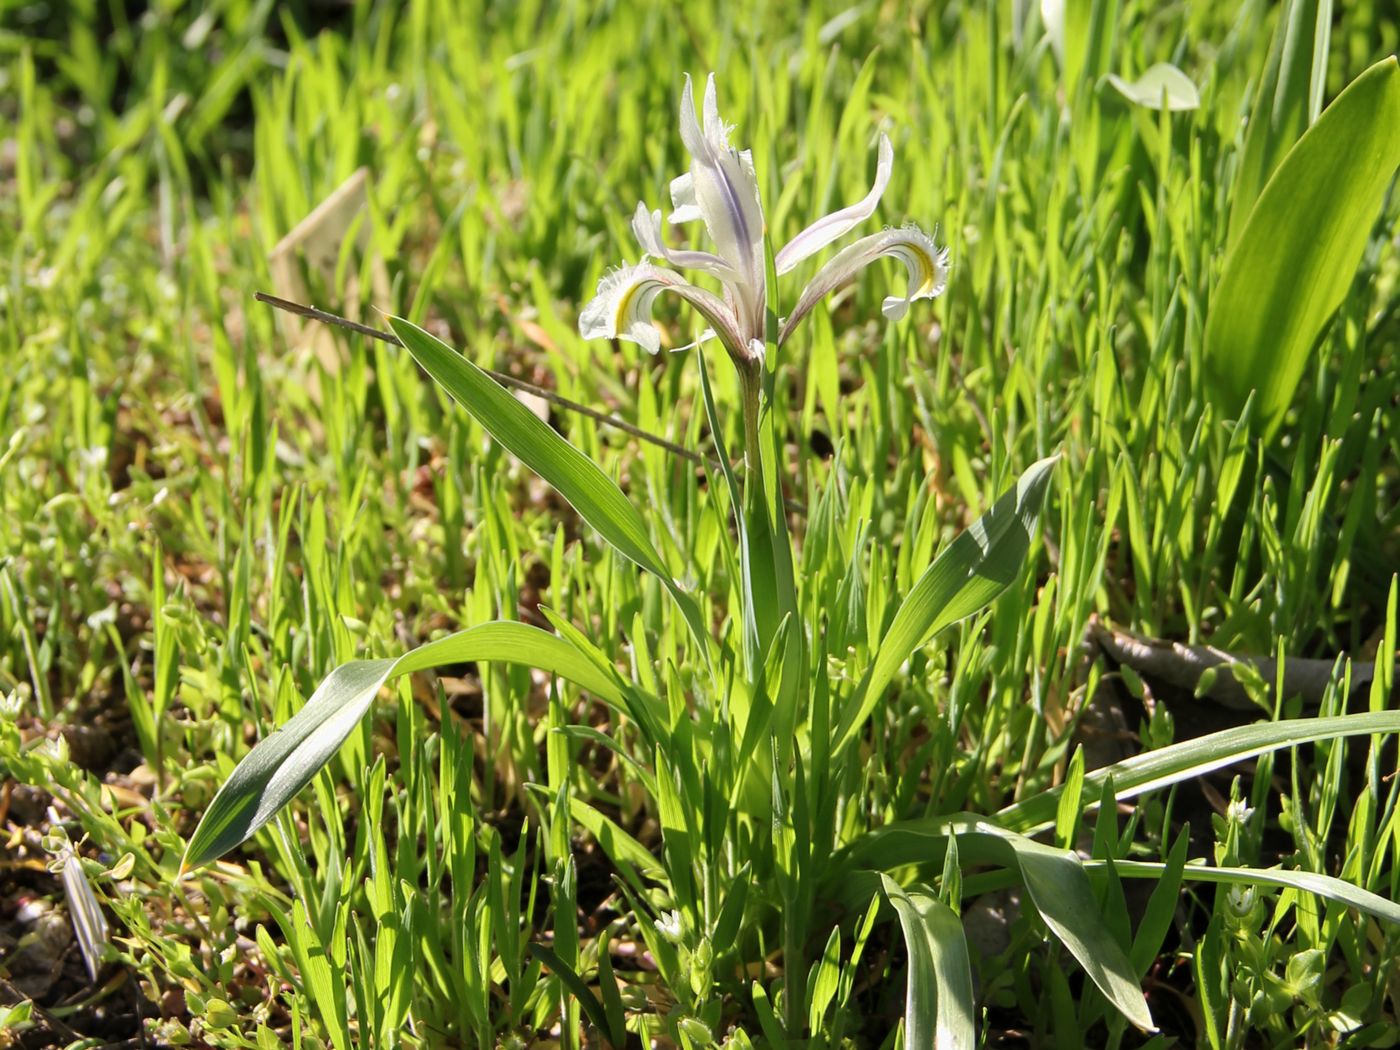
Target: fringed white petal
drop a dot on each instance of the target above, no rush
(716, 130)
(622, 308)
(830, 227)
(926, 263)
(646, 225)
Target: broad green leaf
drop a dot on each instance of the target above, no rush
(1324, 886)
(1286, 101)
(1162, 83)
(938, 1004)
(1059, 889)
(966, 576)
(1191, 759)
(924, 842)
(284, 762)
(577, 478)
(1055, 879)
(1296, 257)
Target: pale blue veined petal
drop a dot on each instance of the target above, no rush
(926, 262)
(830, 227)
(725, 189)
(622, 308)
(646, 225)
(721, 189)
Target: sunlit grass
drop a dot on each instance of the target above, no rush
(199, 520)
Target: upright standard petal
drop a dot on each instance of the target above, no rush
(725, 191)
(683, 206)
(646, 225)
(926, 262)
(622, 308)
(828, 228)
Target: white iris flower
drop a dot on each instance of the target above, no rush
(720, 190)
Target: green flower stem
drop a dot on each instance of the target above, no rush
(750, 384)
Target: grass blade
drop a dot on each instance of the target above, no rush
(620, 847)
(1158, 916)
(610, 990)
(921, 989)
(964, 579)
(89, 924)
(580, 991)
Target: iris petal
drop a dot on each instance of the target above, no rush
(722, 190)
(829, 227)
(926, 263)
(646, 225)
(725, 191)
(684, 208)
(622, 308)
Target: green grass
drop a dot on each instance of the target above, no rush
(199, 522)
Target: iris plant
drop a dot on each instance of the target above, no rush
(721, 190)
